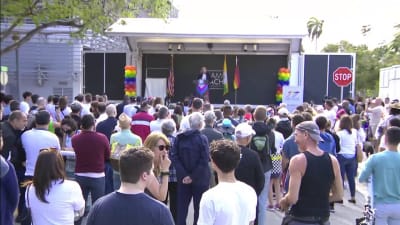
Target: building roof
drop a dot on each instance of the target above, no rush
(262, 31)
(255, 27)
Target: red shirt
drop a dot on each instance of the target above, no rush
(91, 151)
(141, 124)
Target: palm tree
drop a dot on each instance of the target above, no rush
(314, 27)
(365, 29)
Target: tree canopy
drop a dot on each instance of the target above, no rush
(82, 15)
(369, 62)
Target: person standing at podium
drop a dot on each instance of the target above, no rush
(202, 81)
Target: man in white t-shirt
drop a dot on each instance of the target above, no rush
(376, 112)
(25, 103)
(163, 114)
(36, 139)
(329, 112)
(197, 106)
(231, 202)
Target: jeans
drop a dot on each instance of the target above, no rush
(348, 166)
(109, 186)
(186, 192)
(262, 200)
(94, 186)
(387, 214)
(173, 197)
(21, 178)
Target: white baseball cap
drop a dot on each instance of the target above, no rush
(244, 130)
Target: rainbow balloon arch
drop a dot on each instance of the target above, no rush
(130, 81)
(283, 80)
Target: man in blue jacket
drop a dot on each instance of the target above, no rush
(190, 157)
(9, 191)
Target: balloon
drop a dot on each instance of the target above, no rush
(129, 67)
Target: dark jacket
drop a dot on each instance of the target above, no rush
(9, 192)
(212, 134)
(200, 75)
(107, 126)
(12, 145)
(262, 129)
(190, 157)
(285, 127)
(249, 170)
(9, 139)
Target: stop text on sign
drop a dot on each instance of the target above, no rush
(343, 76)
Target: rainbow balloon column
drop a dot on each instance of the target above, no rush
(283, 80)
(130, 81)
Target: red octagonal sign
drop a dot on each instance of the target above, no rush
(342, 76)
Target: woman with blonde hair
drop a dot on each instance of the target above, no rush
(51, 198)
(159, 144)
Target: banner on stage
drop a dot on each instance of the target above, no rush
(292, 97)
(217, 80)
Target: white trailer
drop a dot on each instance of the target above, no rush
(389, 82)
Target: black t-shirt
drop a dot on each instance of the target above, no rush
(129, 209)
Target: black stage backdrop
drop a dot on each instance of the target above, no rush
(258, 75)
(318, 76)
(105, 69)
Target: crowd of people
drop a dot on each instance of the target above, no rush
(142, 161)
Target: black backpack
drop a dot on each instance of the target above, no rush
(264, 145)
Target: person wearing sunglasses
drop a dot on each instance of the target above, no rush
(159, 144)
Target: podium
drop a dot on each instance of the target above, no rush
(201, 89)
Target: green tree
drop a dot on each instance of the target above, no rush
(395, 44)
(314, 28)
(368, 64)
(81, 15)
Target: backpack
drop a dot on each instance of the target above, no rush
(116, 151)
(261, 145)
(337, 140)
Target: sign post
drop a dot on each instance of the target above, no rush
(342, 77)
(3, 77)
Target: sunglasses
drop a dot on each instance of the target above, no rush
(48, 150)
(162, 147)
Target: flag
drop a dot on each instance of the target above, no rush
(225, 74)
(236, 78)
(171, 78)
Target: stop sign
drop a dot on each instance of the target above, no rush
(342, 76)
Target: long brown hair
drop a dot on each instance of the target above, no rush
(49, 168)
(356, 121)
(346, 123)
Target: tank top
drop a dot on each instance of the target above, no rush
(315, 187)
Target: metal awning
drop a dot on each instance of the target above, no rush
(260, 35)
